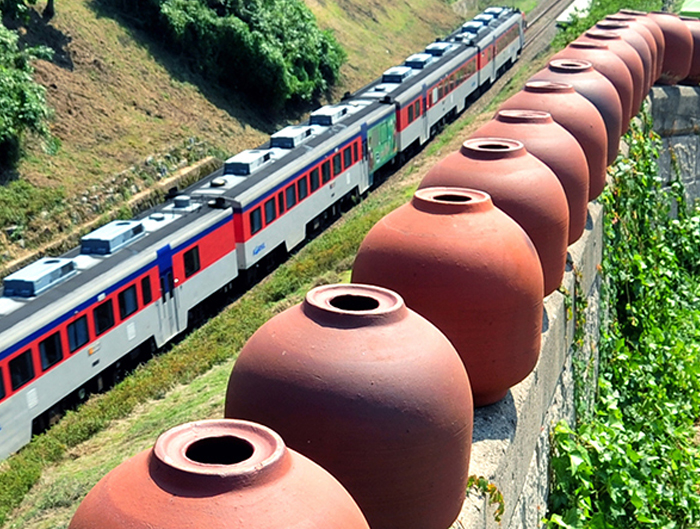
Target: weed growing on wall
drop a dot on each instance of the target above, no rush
(635, 463)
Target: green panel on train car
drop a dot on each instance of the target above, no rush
(381, 142)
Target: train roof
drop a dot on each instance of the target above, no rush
(46, 294)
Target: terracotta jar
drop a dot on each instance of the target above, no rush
(373, 393)
(694, 27)
(596, 88)
(609, 65)
(552, 144)
(520, 185)
(644, 32)
(577, 115)
(471, 270)
(640, 45)
(679, 47)
(628, 55)
(218, 475)
(653, 27)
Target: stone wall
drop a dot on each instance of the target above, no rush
(676, 113)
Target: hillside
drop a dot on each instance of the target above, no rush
(121, 99)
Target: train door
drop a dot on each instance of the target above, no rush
(168, 305)
(425, 126)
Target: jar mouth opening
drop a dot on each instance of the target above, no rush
(450, 199)
(354, 303)
(493, 145)
(524, 116)
(224, 450)
(620, 17)
(454, 199)
(548, 86)
(355, 300)
(611, 24)
(600, 34)
(582, 44)
(570, 65)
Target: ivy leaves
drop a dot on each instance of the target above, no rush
(635, 463)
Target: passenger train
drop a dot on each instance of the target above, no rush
(66, 323)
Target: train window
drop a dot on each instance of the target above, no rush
(21, 370)
(280, 202)
(303, 188)
(410, 114)
(347, 157)
(50, 351)
(416, 108)
(270, 211)
(2, 386)
(104, 317)
(78, 334)
(354, 152)
(314, 178)
(128, 304)
(291, 196)
(191, 259)
(337, 167)
(255, 221)
(146, 294)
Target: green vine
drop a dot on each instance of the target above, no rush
(483, 486)
(633, 461)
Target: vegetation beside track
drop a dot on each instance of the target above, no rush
(633, 460)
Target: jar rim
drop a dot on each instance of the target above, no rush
(173, 448)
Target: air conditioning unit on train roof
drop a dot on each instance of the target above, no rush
(111, 237)
(328, 115)
(438, 49)
(472, 26)
(247, 162)
(418, 61)
(293, 136)
(38, 277)
(396, 74)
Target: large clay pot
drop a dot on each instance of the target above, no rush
(471, 270)
(551, 143)
(678, 53)
(628, 55)
(655, 30)
(577, 115)
(372, 392)
(218, 475)
(640, 45)
(596, 88)
(608, 64)
(646, 34)
(520, 185)
(694, 27)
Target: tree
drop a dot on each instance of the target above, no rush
(22, 101)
